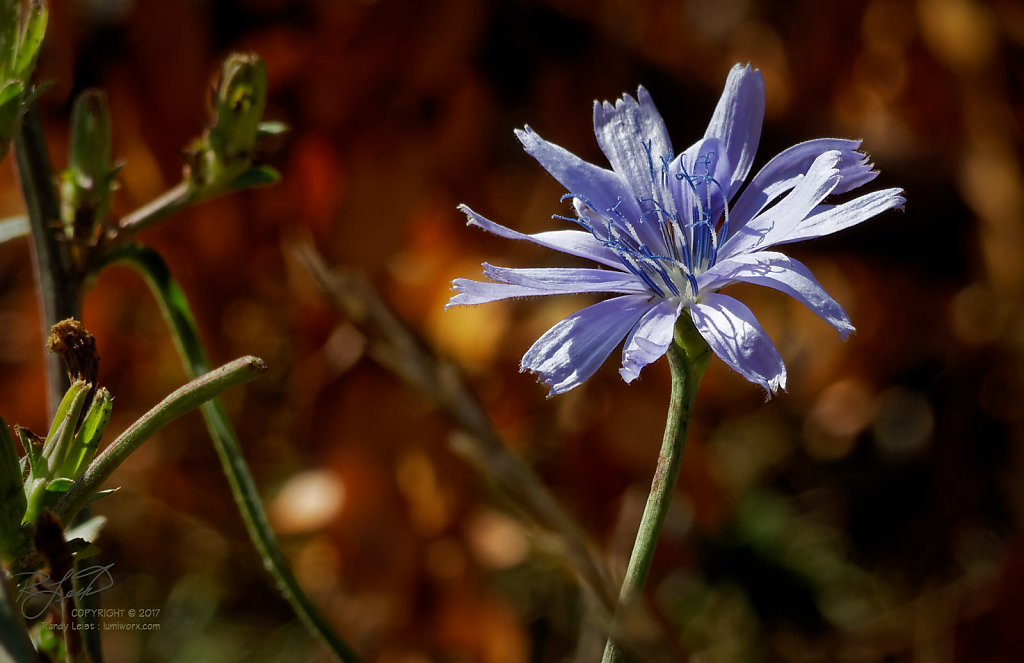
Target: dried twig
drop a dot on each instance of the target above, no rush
(391, 343)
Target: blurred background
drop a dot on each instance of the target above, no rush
(873, 512)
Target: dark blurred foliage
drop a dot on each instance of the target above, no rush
(872, 513)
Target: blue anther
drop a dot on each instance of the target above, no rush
(614, 210)
(664, 169)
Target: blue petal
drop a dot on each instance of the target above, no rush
(533, 282)
(633, 137)
(649, 339)
(574, 242)
(737, 121)
(778, 271)
(774, 224)
(784, 170)
(569, 353)
(589, 280)
(601, 188)
(828, 219)
(735, 335)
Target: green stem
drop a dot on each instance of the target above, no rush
(59, 283)
(15, 645)
(688, 357)
(185, 398)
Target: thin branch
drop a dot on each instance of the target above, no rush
(167, 204)
(185, 398)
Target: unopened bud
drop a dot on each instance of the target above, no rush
(87, 184)
(238, 107)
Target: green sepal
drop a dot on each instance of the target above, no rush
(90, 432)
(60, 485)
(65, 422)
(33, 446)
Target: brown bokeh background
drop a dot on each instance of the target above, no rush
(872, 513)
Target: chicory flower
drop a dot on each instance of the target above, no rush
(668, 237)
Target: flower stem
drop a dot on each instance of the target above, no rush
(688, 357)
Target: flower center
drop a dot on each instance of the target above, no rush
(665, 248)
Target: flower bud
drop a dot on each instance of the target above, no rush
(238, 107)
(86, 186)
(222, 158)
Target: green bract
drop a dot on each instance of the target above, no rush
(68, 448)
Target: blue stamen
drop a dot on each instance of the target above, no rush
(614, 210)
(664, 169)
(576, 196)
(648, 146)
(692, 246)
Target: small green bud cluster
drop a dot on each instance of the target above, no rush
(222, 158)
(51, 465)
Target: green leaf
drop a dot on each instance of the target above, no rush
(8, 35)
(99, 494)
(13, 227)
(185, 332)
(256, 176)
(31, 39)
